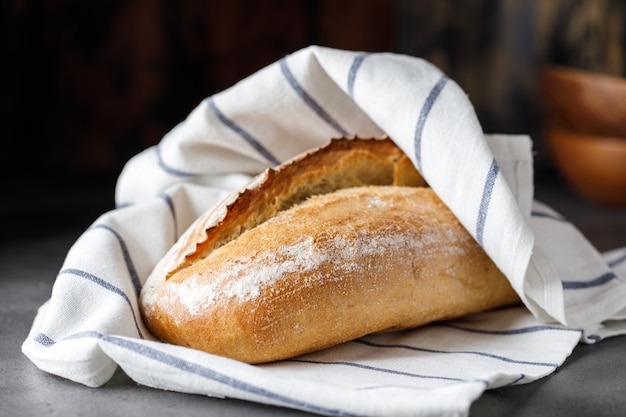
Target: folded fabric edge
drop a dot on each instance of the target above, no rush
(36, 347)
(200, 373)
(440, 95)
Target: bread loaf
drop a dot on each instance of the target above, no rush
(339, 243)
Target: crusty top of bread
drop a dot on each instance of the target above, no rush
(342, 163)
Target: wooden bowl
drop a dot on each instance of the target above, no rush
(583, 101)
(594, 166)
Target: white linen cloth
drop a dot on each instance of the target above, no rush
(571, 293)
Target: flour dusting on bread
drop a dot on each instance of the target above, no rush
(336, 244)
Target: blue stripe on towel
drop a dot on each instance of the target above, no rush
(613, 263)
(172, 171)
(354, 68)
(251, 140)
(509, 332)
(44, 340)
(199, 370)
(310, 101)
(106, 285)
(515, 381)
(490, 181)
(423, 116)
(213, 375)
(579, 285)
(130, 266)
(378, 369)
(544, 215)
(172, 208)
(459, 352)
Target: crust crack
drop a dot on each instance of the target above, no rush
(342, 163)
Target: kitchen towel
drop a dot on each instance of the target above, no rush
(570, 292)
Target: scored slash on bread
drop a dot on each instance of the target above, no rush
(340, 242)
(342, 163)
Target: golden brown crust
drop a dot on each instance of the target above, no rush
(340, 265)
(342, 163)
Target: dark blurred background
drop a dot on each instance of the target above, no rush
(85, 85)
